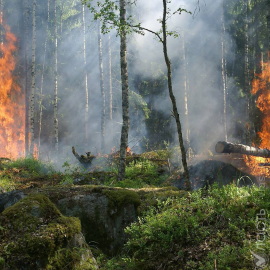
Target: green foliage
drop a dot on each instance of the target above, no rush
(32, 166)
(214, 224)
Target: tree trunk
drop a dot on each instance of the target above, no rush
(226, 147)
(223, 73)
(103, 108)
(33, 81)
(172, 97)
(125, 100)
(26, 38)
(55, 112)
(186, 98)
(258, 69)
(267, 4)
(42, 78)
(246, 71)
(85, 83)
(110, 81)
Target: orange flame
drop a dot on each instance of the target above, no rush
(261, 86)
(12, 122)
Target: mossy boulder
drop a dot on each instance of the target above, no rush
(104, 214)
(35, 235)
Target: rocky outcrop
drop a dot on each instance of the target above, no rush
(104, 212)
(208, 172)
(35, 235)
(10, 198)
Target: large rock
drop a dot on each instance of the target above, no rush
(35, 235)
(10, 198)
(208, 172)
(104, 212)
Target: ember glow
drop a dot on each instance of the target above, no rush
(261, 87)
(12, 116)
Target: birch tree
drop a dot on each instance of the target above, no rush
(86, 110)
(55, 111)
(106, 12)
(42, 77)
(33, 81)
(110, 80)
(26, 93)
(246, 70)
(101, 74)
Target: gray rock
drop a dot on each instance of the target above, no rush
(10, 198)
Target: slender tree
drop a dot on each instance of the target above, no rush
(223, 72)
(125, 93)
(33, 81)
(267, 5)
(103, 107)
(246, 70)
(26, 92)
(86, 110)
(186, 97)
(55, 82)
(110, 80)
(42, 77)
(162, 37)
(172, 97)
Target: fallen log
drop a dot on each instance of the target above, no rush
(227, 147)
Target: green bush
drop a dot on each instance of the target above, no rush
(190, 233)
(31, 165)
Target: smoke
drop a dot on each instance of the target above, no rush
(201, 34)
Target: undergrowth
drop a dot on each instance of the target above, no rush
(219, 225)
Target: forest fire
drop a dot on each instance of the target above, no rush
(12, 123)
(261, 87)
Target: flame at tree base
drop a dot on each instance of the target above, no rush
(12, 109)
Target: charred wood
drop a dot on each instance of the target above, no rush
(85, 160)
(226, 147)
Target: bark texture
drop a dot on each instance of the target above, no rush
(33, 81)
(125, 93)
(101, 73)
(223, 72)
(226, 147)
(172, 97)
(110, 80)
(26, 92)
(85, 83)
(55, 111)
(42, 78)
(186, 98)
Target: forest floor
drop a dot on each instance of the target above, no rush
(214, 228)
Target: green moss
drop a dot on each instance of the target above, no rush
(150, 197)
(121, 197)
(72, 258)
(32, 231)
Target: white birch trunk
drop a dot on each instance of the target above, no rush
(33, 81)
(103, 107)
(42, 78)
(55, 111)
(86, 110)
